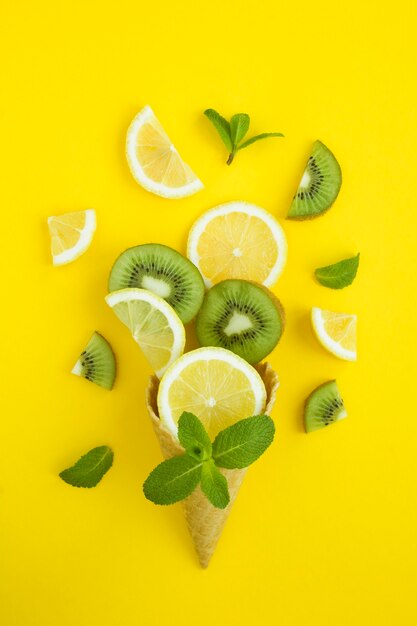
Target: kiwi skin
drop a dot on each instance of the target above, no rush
(248, 298)
(339, 408)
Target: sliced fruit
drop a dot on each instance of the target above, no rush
(323, 407)
(216, 385)
(153, 323)
(71, 235)
(336, 332)
(238, 240)
(319, 186)
(154, 161)
(243, 317)
(97, 362)
(165, 272)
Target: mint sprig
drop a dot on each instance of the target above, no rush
(232, 133)
(234, 447)
(90, 468)
(338, 275)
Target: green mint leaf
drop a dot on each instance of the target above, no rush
(258, 138)
(193, 437)
(239, 126)
(222, 126)
(338, 275)
(173, 480)
(242, 443)
(214, 485)
(90, 468)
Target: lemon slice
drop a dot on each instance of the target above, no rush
(71, 235)
(238, 240)
(214, 384)
(153, 323)
(154, 161)
(336, 332)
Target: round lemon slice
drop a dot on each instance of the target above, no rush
(336, 332)
(238, 240)
(218, 386)
(71, 235)
(154, 161)
(153, 323)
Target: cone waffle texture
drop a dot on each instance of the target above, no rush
(205, 522)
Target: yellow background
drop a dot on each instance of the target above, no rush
(324, 530)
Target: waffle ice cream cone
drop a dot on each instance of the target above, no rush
(205, 522)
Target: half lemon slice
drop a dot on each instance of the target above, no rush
(336, 332)
(71, 235)
(218, 386)
(154, 161)
(153, 323)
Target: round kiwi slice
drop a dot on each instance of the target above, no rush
(319, 186)
(241, 316)
(163, 271)
(97, 362)
(323, 407)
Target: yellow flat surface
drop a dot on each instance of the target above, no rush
(324, 530)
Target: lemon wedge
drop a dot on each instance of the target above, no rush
(71, 234)
(154, 160)
(336, 332)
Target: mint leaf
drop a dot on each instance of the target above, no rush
(258, 138)
(173, 480)
(239, 126)
(338, 275)
(90, 468)
(214, 485)
(193, 437)
(242, 443)
(222, 126)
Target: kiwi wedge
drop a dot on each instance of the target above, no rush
(241, 316)
(163, 271)
(319, 185)
(97, 362)
(323, 407)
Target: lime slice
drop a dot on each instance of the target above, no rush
(153, 323)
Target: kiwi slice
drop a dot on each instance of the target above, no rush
(319, 186)
(97, 362)
(163, 271)
(241, 316)
(323, 407)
